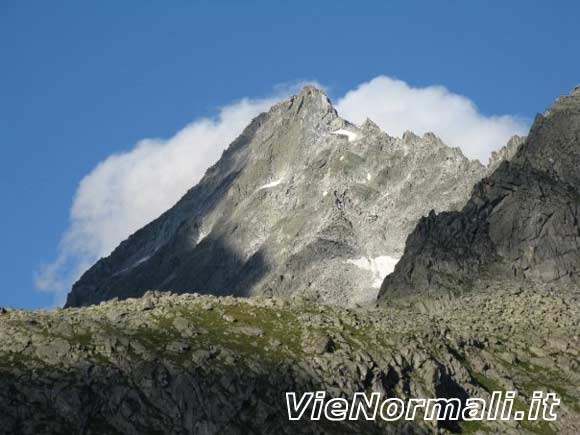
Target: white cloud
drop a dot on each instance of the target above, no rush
(129, 189)
(395, 107)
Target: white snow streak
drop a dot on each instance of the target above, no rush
(271, 184)
(137, 263)
(202, 235)
(379, 267)
(352, 136)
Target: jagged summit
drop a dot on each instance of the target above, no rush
(521, 223)
(313, 92)
(507, 152)
(302, 202)
(311, 100)
(370, 125)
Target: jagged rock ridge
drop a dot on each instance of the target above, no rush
(302, 201)
(520, 224)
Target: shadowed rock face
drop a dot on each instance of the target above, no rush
(301, 202)
(521, 222)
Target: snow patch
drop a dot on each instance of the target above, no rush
(325, 193)
(352, 136)
(380, 267)
(202, 235)
(142, 260)
(341, 158)
(369, 177)
(271, 184)
(137, 263)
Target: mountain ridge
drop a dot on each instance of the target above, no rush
(294, 204)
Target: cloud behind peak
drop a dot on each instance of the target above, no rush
(396, 107)
(131, 188)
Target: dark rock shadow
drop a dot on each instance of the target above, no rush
(161, 255)
(211, 267)
(160, 397)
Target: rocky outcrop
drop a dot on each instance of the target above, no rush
(302, 202)
(192, 364)
(507, 152)
(521, 223)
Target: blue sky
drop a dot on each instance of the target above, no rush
(80, 81)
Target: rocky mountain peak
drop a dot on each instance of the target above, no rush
(432, 137)
(370, 125)
(311, 102)
(409, 137)
(302, 202)
(314, 93)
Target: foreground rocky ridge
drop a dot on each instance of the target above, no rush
(303, 202)
(521, 223)
(193, 364)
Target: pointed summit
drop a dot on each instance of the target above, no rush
(370, 125)
(312, 101)
(409, 137)
(312, 91)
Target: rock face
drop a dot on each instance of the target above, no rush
(507, 152)
(301, 202)
(190, 364)
(520, 224)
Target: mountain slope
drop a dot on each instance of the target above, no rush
(194, 364)
(302, 201)
(520, 224)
